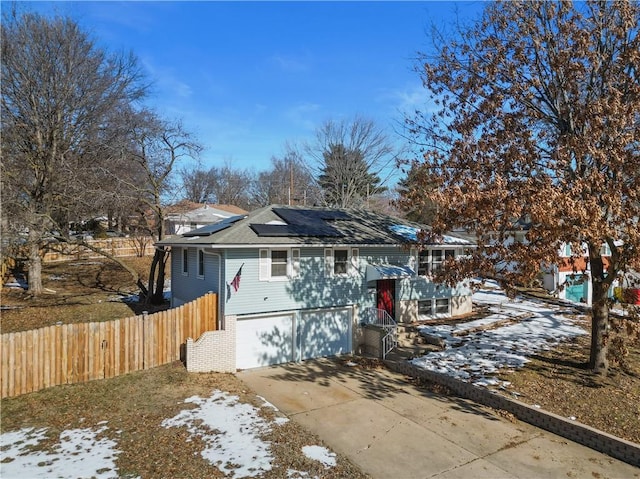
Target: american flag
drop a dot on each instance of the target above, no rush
(235, 282)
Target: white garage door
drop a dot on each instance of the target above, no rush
(324, 333)
(264, 341)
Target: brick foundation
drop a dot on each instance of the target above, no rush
(214, 351)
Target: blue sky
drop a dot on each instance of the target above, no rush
(248, 77)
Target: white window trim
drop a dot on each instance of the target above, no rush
(353, 262)
(433, 313)
(429, 261)
(200, 274)
(293, 264)
(347, 260)
(185, 261)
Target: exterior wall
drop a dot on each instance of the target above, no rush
(461, 305)
(185, 288)
(214, 351)
(310, 289)
(407, 310)
(370, 341)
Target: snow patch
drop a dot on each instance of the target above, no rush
(320, 454)
(236, 449)
(477, 355)
(78, 453)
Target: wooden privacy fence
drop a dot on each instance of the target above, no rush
(118, 247)
(75, 353)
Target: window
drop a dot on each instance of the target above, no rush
(430, 261)
(200, 263)
(185, 261)
(340, 261)
(436, 260)
(605, 250)
(423, 263)
(437, 307)
(424, 307)
(278, 263)
(442, 306)
(567, 250)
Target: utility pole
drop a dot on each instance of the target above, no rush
(290, 181)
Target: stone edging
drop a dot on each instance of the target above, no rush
(616, 447)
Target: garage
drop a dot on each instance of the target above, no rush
(324, 333)
(264, 340)
(576, 288)
(269, 339)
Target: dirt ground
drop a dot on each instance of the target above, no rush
(557, 380)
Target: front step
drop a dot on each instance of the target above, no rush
(410, 337)
(411, 344)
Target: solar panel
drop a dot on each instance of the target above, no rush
(305, 216)
(321, 229)
(208, 230)
(302, 222)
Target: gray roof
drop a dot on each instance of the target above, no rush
(299, 225)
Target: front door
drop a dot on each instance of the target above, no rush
(386, 293)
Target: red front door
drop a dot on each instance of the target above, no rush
(386, 289)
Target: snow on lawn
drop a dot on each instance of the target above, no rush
(78, 453)
(230, 429)
(237, 449)
(522, 328)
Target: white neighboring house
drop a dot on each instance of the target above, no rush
(187, 216)
(573, 281)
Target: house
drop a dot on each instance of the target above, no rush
(186, 216)
(301, 281)
(570, 277)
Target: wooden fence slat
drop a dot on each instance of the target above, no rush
(36, 365)
(21, 356)
(4, 365)
(72, 353)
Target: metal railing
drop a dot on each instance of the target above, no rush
(379, 317)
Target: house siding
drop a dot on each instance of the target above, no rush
(185, 288)
(313, 289)
(310, 289)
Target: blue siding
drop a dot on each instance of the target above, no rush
(185, 288)
(310, 289)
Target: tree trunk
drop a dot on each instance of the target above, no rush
(35, 269)
(156, 277)
(598, 361)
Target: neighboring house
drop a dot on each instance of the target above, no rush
(187, 216)
(301, 280)
(570, 278)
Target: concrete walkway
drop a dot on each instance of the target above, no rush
(391, 429)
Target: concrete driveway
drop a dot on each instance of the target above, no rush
(390, 428)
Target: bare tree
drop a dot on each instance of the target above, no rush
(350, 160)
(156, 147)
(232, 186)
(58, 90)
(288, 182)
(538, 118)
(197, 183)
